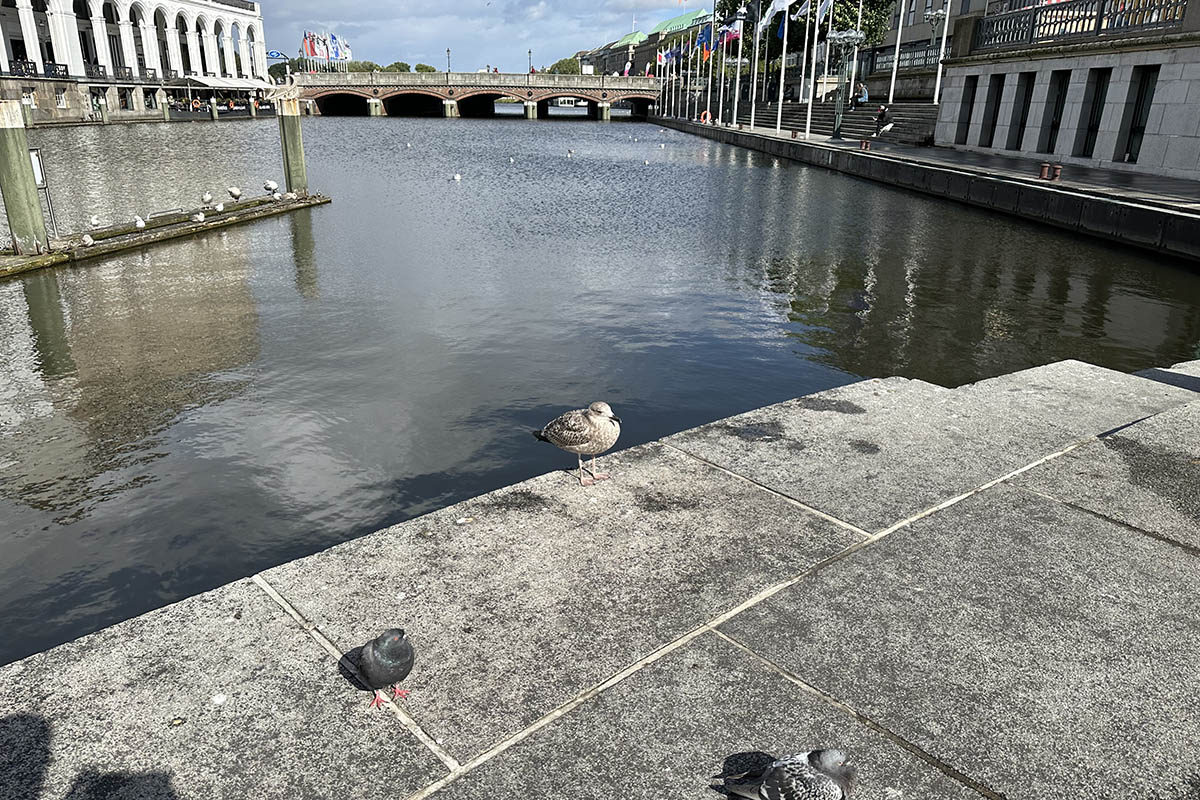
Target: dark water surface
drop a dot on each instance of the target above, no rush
(177, 418)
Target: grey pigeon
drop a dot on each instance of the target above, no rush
(385, 661)
(586, 431)
(814, 775)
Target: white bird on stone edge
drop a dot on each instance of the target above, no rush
(219, 207)
(206, 199)
(87, 240)
(198, 216)
(812, 775)
(584, 432)
(138, 222)
(234, 193)
(94, 221)
(270, 187)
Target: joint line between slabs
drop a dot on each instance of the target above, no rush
(410, 724)
(815, 511)
(1158, 537)
(846, 708)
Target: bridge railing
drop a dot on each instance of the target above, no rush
(509, 80)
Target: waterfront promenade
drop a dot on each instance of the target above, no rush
(987, 591)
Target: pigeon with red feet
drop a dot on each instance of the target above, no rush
(385, 661)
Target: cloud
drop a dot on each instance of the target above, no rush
(478, 32)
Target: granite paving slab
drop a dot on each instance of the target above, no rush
(519, 600)
(1038, 648)
(221, 695)
(1173, 377)
(1146, 475)
(664, 731)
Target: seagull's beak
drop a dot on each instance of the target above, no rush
(616, 419)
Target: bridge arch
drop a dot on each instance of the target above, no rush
(342, 103)
(412, 103)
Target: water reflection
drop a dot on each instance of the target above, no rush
(179, 417)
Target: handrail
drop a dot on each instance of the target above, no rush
(1074, 20)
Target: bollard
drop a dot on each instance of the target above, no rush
(17, 183)
(294, 172)
(252, 106)
(1045, 173)
(212, 108)
(166, 110)
(1057, 172)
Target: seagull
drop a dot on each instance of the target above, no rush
(635, 138)
(138, 222)
(235, 193)
(270, 186)
(647, 163)
(586, 431)
(277, 197)
(206, 198)
(568, 154)
(662, 147)
(814, 775)
(219, 207)
(88, 241)
(408, 145)
(457, 177)
(512, 160)
(198, 216)
(289, 196)
(94, 221)
(385, 661)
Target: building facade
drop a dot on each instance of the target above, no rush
(1111, 84)
(65, 58)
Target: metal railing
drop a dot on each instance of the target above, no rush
(123, 73)
(170, 74)
(1076, 19)
(236, 4)
(150, 73)
(95, 71)
(923, 57)
(23, 68)
(53, 70)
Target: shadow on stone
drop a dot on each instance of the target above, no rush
(93, 785)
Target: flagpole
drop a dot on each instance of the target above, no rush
(804, 57)
(721, 100)
(896, 53)
(767, 55)
(754, 72)
(782, 68)
(737, 84)
(854, 66)
(828, 49)
(712, 22)
(812, 96)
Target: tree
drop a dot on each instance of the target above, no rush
(425, 68)
(362, 66)
(565, 66)
(398, 66)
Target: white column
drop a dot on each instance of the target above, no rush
(211, 57)
(150, 48)
(174, 57)
(3, 50)
(244, 52)
(64, 34)
(193, 46)
(33, 46)
(225, 45)
(128, 46)
(260, 59)
(100, 38)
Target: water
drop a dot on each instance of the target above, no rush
(177, 418)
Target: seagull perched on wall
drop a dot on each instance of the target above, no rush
(385, 661)
(270, 186)
(277, 197)
(814, 775)
(198, 216)
(586, 431)
(289, 196)
(138, 222)
(88, 241)
(206, 199)
(94, 221)
(235, 193)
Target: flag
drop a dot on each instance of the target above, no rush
(823, 9)
(662, 59)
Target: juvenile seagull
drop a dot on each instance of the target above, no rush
(235, 193)
(814, 775)
(586, 431)
(386, 660)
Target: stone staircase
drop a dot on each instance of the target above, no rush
(914, 121)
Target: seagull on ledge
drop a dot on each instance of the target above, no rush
(138, 222)
(586, 431)
(235, 193)
(206, 198)
(270, 186)
(198, 216)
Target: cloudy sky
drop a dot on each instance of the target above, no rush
(478, 32)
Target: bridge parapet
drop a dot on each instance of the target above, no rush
(500, 80)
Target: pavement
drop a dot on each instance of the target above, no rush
(988, 591)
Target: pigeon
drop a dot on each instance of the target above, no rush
(138, 222)
(813, 775)
(270, 186)
(235, 193)
(94, 221)
(457, 177)
(88, 241)
(385, 661)
(586, 431)
(206, 198)
(219, 207)
(198, 216)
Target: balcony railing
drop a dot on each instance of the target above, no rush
(170, 74)
(880, 59)
(123, 73)
(23, 68)
(1075, 20)
(150, 73)
(236, 4)
(95, 71)
(56, 70)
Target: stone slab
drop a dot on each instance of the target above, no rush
(132, 713)
(519, 600)
(664, 731)
(1146, 475)
(1038, 648)
(876, 452)
(1183, 380)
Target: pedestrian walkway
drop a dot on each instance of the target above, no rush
(982, 592)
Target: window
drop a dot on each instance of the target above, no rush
(1056, 101)
(912, 13)
(965, 109)
(1020, 113)
(60, 98)
(1137, 111)
(29, 96)
(965, 7)
(991, 110)
(1094, 97)
(150, 100)
(114, 48)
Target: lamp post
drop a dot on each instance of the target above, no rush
(737, 83)
(447, 59)
(530, 54)
(936, 18)
(846, 42)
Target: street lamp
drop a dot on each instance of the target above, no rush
(447, 59)
(845, 42)
(530, 54)
(737, 83)
(936, 18)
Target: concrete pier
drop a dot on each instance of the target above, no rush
(988, 591)
(17, 183)
(294, 171)
(450, 108)
(531, 110)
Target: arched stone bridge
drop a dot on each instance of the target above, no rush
(467, 94)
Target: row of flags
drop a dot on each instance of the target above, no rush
(704, 42)
(327, 47)
(782, 5)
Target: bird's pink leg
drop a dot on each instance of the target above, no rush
(582, 480)
(599, 476)
(397, 692)
(377, 701)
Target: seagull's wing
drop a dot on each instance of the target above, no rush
(569, 430)
(792, 778)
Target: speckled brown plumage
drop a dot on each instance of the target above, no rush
(586, 431)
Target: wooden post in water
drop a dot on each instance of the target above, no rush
(294, 172)
(17, 183)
